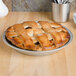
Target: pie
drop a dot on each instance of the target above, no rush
(37, 36)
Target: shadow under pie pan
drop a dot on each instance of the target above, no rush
(36, 53)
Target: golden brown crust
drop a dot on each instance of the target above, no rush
(41, 35)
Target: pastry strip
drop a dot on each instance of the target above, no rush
(44, 42)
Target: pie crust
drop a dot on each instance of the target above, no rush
(37, 36)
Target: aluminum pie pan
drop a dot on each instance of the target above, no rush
(36, 53)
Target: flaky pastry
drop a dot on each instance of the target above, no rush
(37, 36)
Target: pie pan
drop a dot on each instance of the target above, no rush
(36, 53)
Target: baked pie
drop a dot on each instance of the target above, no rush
(37, 36)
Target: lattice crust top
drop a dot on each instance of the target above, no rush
(40, 36)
